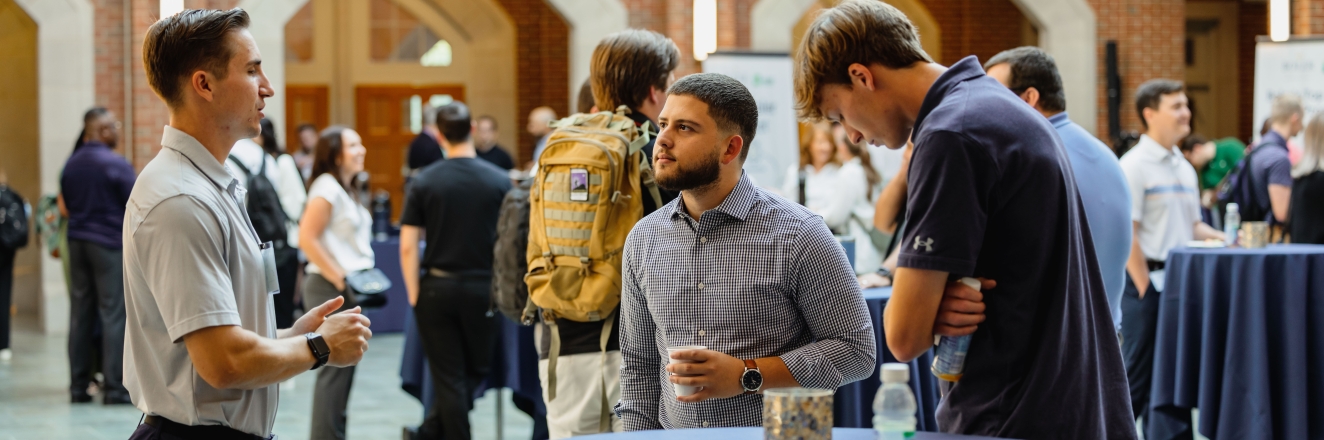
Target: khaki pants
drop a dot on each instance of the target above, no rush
(587, 388)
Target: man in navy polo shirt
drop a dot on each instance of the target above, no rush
(991, 196)
(1271, 169)
(94, 187)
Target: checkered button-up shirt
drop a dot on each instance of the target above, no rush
(758, 276)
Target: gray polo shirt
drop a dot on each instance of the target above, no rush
(191, 261)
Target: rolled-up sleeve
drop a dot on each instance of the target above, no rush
(640, 388)
(830, 300)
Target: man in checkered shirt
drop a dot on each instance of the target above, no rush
(758, 280)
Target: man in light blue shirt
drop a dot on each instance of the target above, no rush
(1032, 75)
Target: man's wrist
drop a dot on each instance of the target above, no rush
(321, 351)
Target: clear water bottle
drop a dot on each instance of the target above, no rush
(1232, 223)
(949, 361)
(894, 406)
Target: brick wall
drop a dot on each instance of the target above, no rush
(976, 27)
(542, 77)
(1307, 17)
(108, 34)
(1150, 39)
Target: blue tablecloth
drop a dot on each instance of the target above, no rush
(853, 404)
(1241, 337)
(514, 365)
(391, 317)
(757, 434)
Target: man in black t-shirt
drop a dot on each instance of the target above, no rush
(456, 203)
(992, 196)
(485, 141)
(586, 387)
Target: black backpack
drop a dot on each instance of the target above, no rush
(510, 294)
(13, 220)
(264, 208)
(1238, 187)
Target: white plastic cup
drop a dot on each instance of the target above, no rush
(683, 390)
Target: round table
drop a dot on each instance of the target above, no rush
(1241, 337)
(756, 433)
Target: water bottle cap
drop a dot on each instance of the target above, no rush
(896, 373)
(1233, 207)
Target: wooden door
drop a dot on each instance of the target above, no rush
(305, 104)
(388, 119)
(1211, 68)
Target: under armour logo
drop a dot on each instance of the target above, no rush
(928, 245)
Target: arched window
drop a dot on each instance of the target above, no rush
(398, 36)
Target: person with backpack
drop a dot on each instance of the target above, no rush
(1165, 213)
(94, 187)
(593, 183)
(274, 202)
(454, 204)
(15, 215)
(1269, 166)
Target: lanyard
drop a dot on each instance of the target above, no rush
(223, 192)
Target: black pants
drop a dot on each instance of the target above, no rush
(287, 274)
(6, 293)
(331, 396)
(96, 296)
(458, 339)
(145, 431)
(1139, 324)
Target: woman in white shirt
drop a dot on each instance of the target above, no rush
(818, 169)
(335, 234)
(850, 207)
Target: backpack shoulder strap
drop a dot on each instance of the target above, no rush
(242, 167)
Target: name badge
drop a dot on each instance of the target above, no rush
(269, 267)
(578, 185)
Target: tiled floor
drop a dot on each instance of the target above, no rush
(34, 401)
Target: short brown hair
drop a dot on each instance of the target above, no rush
(192, 40)
(730, 104)
(627, 63)
(1150, 95)
(856, 31)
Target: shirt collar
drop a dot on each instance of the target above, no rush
(1059, 120)
(963, 70)
(1273, 138)
(639, 120)
(1151, 148)
(737, 204)
(188, 146)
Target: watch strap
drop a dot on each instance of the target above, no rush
(750, 365)
(319, 348)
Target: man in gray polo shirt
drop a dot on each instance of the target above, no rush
(202, 353)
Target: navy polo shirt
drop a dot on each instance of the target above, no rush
(992, 195)
(96, 184)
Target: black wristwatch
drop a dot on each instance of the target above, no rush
(752, 379)
(320, 350)
(882, 271)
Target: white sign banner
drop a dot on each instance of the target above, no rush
(1295, 67)
(776, 146)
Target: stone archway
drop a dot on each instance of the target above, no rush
(66, 88)
(586, 30)
(268, 29)
(1067, 30)
(768, 33)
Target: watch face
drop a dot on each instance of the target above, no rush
(751, 380)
